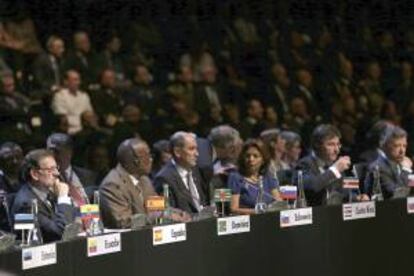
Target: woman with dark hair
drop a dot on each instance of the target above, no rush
(244, 184)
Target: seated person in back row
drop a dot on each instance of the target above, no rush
(393, 165)
(244, 184)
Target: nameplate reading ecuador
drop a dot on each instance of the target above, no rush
(39, 256)
(106, 244)
(358, 210)
(410, 205)
(296, 217)
(169, 234)
(233, 225)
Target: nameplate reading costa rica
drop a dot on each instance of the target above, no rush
(233, 225)
(39, 256)
(296, 217)
(169, 233)
(360, 210)
(106, 244)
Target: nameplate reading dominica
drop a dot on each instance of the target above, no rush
(106, 244)
(233, 225)
(39, 256)
(296, 217)
(169, 234)
(358, 210)
(410, 205)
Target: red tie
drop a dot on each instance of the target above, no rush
(76, 195)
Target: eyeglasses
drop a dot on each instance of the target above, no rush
(49, 170)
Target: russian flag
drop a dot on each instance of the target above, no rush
(289, 192)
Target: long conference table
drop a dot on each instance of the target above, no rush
(381, 245)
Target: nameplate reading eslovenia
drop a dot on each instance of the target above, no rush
(296, 217)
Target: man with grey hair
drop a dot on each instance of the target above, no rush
(188, 190)
(124, 190)
(226, 146)
(392, 164)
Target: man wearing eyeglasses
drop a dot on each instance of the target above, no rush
(41, 181)
(323, 168)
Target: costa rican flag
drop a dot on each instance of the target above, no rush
(351, 183)
(288, 192)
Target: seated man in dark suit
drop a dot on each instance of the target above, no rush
(188, 190)
(323, 168)
(124, 190)
(11, 157)
(81, 181)
(392, 164)
(41, 182)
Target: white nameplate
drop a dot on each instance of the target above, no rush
(39, 256)
(169, 233)
(410, 205)
(233, 225)
(358, 210)
(105, 244)
(23, 226)
(296, 217)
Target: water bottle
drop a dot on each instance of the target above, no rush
(166, 216)
(261, 205)
(35, 235)
(376, 189)
(301, 201)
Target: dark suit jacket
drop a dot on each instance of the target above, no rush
(44, 73)
(52, 218)
(180, 196)
(120, 198)
(390, 180)
(317, 181)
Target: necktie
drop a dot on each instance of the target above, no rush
(75, 191)
(193, 191)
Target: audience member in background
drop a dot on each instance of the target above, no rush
(144, 94)
(188, 190)
(98, 160)
(133, 125)
(252, 125)
(72, 102)
(162, 155)
(323, 168)
(124, 190)
(106, 100)
(11, 157)
(183, 87)
(48, 66)
(14, 112)
(393, 165)
(83, 59)
(278, 91)
(81, 181)
(293, 148)
(40, 175)
(275, 146)
(244, 184)
(109, 57)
